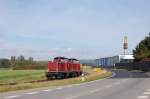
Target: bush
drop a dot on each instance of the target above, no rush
(4, 63)
(30, 66)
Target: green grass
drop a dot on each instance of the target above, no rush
(18, 76)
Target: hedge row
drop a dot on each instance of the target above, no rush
(30, 66)
(143, 66)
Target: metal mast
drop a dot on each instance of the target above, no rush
(125, 45)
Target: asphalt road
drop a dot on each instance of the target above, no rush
(123, 85)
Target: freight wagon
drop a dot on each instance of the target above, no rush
(62, 67)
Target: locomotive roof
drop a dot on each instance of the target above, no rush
(60, 58)
(66, 58)
(73, 59)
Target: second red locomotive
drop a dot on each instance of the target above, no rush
(62, 67)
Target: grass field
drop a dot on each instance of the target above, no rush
(20, 79)
(19, 76)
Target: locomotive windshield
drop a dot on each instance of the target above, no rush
(61, 59)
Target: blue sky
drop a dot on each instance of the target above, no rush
(83, 29)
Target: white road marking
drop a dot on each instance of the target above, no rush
(88, 85)
(126, 79)
(148, 89)
(48, 90)
(93, 91)
(69, 86)
(77, 84)
(142, 97)
(146, 93)
(72, 97)
(59, 88)
(9, 97)
(88, 82)
(31, 93)
(118, 83)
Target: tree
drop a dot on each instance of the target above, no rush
(142, 50)
(30, 59)
(4, 63)
(21, 58)
(13, 58)
(13, 61)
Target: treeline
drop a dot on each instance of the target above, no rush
(143, 66)
(22, 63)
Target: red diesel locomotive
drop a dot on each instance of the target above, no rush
(62, 67)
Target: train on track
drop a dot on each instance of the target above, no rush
(62, 67)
